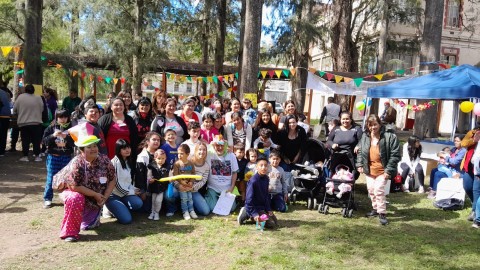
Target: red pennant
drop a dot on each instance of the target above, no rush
(99, 78)
(83, 75)
(329, 76)
(122, 80)
(212, 95)
(220, 78)
(271, 73)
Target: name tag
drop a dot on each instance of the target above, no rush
(103, 180)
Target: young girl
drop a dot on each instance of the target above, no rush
(184, 186)
(252, 156)
(156, 170)
(264, 141)
(59, 151)
(412, 167)
(207, 132)
(238, 131)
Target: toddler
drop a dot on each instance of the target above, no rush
(207, 132)
(156, 170)
(239, 151)
(342, 173)
(264, 142)
(442, 164)
(184, 186)
(170, 147)
(252, 155)
(277, 186)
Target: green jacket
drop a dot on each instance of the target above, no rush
(389, 152)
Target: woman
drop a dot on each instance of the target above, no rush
(128, 99)
(143, 117)
(89, 184)
(378, 157)
(158, 105)
(118, 125)
(289, 110)
(171, 121)
(264, 105)
(188, 112)
(413, 168)
(264, 120)
(292, 141)
(235, 108)
(124, 197)
(346, 136)
(218, 123)
(202, 168)
(453, 161)
(51, 98)
(238, 131)
(225, 106)
(471, 182)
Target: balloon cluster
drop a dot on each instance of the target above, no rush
(468, 106)
(415, 108)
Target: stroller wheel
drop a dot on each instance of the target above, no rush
(350, 213)
(344, 212)
(325, 210)
(310, 203)
(293, 198)
(320, 208)
(315, 203)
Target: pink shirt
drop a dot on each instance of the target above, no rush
(208, 135)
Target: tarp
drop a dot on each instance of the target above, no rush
(461, 82)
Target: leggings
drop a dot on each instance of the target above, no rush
(418, 173)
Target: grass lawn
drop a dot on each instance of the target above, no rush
(418, 237)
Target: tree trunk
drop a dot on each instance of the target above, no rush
(33, 42)
(242, 34)
(220, 40)
(137, 64)
(251, 47)
(426, 120)
(206, 30)
(74, 30)
(344, 51)
(382, 39)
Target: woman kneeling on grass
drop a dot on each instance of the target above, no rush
(89, 185)
(377, 158)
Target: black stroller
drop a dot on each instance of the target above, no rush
(346, 201)
(308, 176)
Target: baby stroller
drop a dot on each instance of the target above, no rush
(341, 165)
(308, 177)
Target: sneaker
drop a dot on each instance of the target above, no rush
(471, 217)
(421, 190)
(41, 155)
(186, 216)
(242, 216)
(372, 213)
(476, 224)
(383, 219)
(152, 215)
(70, 239)
(193, 214)
(170, 214)
(38, 159)
(106, 213)
(47, 204)
(431, 194)
(25, 159)
(156, 216)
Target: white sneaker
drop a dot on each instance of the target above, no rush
(156, 216)
(169, 214)
(105, 212)
(421, 190)
(47, 204)
(152, 215)
(38, 159)
(25, 159)
(193, 214)
(186, 216)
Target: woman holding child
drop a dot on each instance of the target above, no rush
(264, 120)
(377, 158)
(170, 120)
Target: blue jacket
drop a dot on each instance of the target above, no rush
(257, 197)
(5, 111)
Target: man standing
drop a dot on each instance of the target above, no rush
(389, 115)
(5, 114)
(330, 112)
(71, 102)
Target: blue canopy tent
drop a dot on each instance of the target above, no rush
(457, 83)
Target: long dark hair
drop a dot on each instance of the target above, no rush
(119, 145)
(148, 136)
(145, 101)
(414, 152)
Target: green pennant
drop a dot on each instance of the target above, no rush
(189, 78)
(321, 73)
(400, 71)
(205, 79)
(20, 71)
(358, 81)
(215, 79)
(236, 75)
(108, 80)
(43, 58)
(286, 72)
(453, 66)
(221, 93)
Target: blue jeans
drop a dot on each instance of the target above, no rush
(435, 177)
(477, 213)
(212, 198)
(471, 185)
(277, 203)
(54, 165)
(199, 203)
(186, 201)
(120, 207)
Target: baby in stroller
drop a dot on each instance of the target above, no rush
(342, 172)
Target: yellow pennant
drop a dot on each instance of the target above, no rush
(199, 78)
(115, 80)
(210, 79)
(379, 76)
(6, 50)
(338, 78)
(293, 70)
(264, 73)
(347, 80)
(74, 73)
(58, 66)
(230, 89)
(279, 73)
(226, 78)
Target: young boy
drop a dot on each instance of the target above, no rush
(184, 186)
(194, 132)
(277, 186)
(257, 202)
(239, 151)
(170, 148)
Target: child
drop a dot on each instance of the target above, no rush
(264, 141)
(207, 131)
(252, 156)
(184, 186)
(170, 147)
(239, 151)
(59, 151)
(277, 186)
(442, 165)
(257, 201)
(194, 132)
(156, 170)
(342, 173)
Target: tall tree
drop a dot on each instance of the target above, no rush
(137, 65)
(251, 47)
(426, 120)
(220, 38)
(242, 34)
(33, 42)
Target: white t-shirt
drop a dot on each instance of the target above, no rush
(221, 170)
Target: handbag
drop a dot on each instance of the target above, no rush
(59, 178)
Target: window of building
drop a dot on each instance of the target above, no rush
(449, 59)
(396, 61)
(453, 13)
(176, 87)
(189, 87)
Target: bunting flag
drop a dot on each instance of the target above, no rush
(215, 79)
(347, 80)
(329, 76)
(91, 77)
(58, 66)
(122, 80)
(16, 50)
(358, 81)
(378, 76)
(115, 81)
(236, 75)
(6, 50)
(312, 70)
(321, 73)
(271, 73)
(292, 71)
(108, 80)
(286, 72)
(220, 79)
(83, 75)
(189, 78)
(74, 73)
(264, 73)
(209, 79)
(338, 79)
(400, 72)
(279, 73)
(99, 78)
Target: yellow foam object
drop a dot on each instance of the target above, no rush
(179, 177)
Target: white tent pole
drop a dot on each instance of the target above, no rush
(472, 116)
(454, 121)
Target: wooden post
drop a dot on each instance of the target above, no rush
(164, 81)
(310, 97)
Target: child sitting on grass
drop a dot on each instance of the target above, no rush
(257, 201)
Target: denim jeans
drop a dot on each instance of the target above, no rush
(435, 177)
(120, 207)
(277, 202)
(211, 199)
(186, 201)
(54, 165)
(471, 185)
(199, 203)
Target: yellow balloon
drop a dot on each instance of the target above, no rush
(466, 106)
(360, 105)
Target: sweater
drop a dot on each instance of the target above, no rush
(28, 108)
(4, 104)
(277, 184)
(257, 197)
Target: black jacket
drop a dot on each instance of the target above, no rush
(158, 125)
(53, 146)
